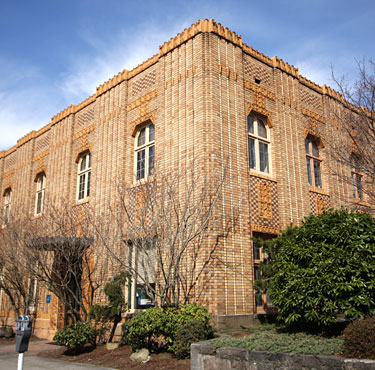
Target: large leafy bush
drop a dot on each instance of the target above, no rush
(322, 268)
(76, 335)
(156, 328)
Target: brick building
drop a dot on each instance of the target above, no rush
(205, 92)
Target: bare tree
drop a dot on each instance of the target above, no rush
(59, 252)
(15, 279)
(354, 144)
(169, 227)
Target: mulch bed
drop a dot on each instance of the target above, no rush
(118, 358)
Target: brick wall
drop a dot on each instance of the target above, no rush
(198, 91)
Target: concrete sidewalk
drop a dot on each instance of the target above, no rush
(9, 358)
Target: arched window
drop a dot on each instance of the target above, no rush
(356, 177)
(7, 204)
(144, 151)
(258, 142)
(313, 162)
(84, 175)
(39, 196)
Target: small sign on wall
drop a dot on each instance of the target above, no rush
(48, 298)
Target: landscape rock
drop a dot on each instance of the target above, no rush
(112, 346)
(6, 332)
(142, 355)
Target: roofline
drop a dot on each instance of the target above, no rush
(201, 26)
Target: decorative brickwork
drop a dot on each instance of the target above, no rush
(143, 82)
(311, 99)
(319, 202)
(258, 71)
(84, 117)
(264, 212)
(42, 142)
(198, 90)
(264, 200)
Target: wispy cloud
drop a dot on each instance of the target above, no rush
(126, 51)
(28, 99)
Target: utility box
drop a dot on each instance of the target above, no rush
(23, 333)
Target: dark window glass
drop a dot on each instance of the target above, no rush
(151, 135)
(263, 157)
(315, 150)
(81, 191)
(142, 136)
(307, 146)
(256, 272)
(250, 124)
(262, 132)
(318, 179)
(251, 153)
(151, 155)
(83, 163)
(141, 164)
(309, 171)
(39, 203)
(256, 251)
(88, 183)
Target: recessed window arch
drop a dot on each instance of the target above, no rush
(258, 143)
(313, 161)
(7, 205)
(40, 189)
(84, 176)
(356, 176)
(144, 151)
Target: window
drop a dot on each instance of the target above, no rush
(258, 141)
(313, 162)
(84, 175)
(144, 151)
(39, 198)
(142, 262)
(356, 177)
(7, 203)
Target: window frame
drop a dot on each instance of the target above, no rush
(7, 205)
(254, 152)
(146, 147)
(312, 160)
(84, 176)
(137, 291)
(39, 193)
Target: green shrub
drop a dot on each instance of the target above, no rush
(145, 329)
(359, 339)
(322, 268)
(156, 328)
(270, 339)
(76, 335)
(190, 332)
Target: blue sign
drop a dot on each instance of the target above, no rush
(48, 298)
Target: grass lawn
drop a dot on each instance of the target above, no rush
(273, 339)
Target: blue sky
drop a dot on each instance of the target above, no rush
(55, 52)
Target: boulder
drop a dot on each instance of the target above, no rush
(112, 346)
(6, 332)
(143, 355)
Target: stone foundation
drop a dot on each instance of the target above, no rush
(205, 357)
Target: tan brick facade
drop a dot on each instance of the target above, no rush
(198, 91)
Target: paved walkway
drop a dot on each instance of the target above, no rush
(9, 358)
